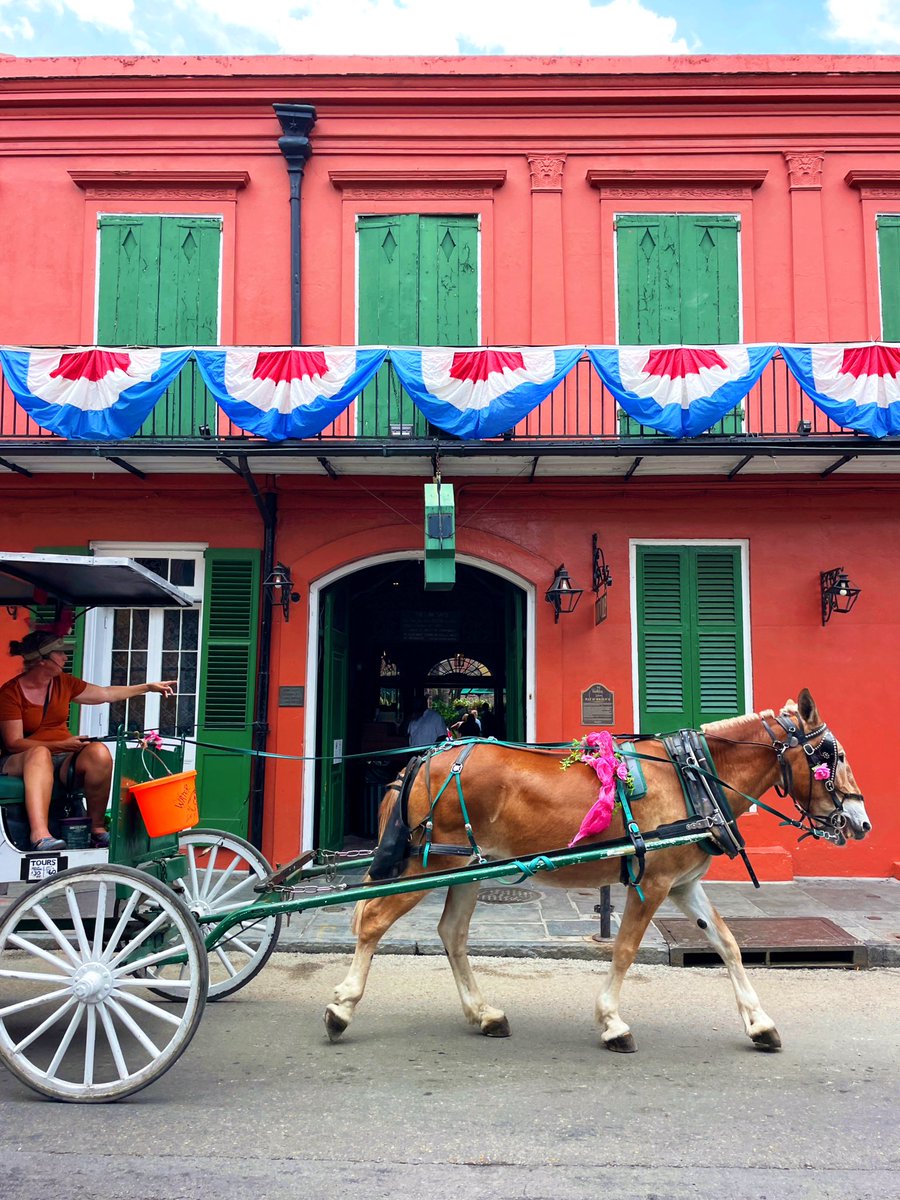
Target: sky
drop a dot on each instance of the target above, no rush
(42, 28)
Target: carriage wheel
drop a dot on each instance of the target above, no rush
(77, 1019)
(222, 872)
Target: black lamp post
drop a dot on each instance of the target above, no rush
(838, 593)
(561, 594)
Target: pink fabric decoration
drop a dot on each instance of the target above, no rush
(599, 753)
(821, 772)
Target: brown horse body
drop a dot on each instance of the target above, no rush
(520, 804)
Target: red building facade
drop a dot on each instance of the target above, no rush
(501, 202)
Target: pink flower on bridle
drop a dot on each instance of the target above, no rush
(600, 754)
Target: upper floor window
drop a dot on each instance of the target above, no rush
(889, 275)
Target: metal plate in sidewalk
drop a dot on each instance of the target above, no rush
(767, 942)
(507, 895)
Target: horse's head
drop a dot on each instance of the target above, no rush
(827, 793)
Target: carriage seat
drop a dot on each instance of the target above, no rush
(12, 791)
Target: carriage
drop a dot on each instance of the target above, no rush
(108, 957)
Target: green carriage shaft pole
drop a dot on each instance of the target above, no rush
(551, 861)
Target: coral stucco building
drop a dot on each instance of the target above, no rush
(463, 202)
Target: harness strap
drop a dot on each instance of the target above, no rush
(454, 773)
(632, 869)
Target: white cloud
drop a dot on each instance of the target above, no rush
(102, 14)
(425, 27)
(870, 24)
(21, 30)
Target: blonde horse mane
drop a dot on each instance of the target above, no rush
(737, 724)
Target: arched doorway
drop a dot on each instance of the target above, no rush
(384, 645)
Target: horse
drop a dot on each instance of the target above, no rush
(519, 803)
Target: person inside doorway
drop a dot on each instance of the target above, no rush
(428, 727)
(468, 725)
(36, 745)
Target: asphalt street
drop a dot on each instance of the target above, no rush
(415, 1103)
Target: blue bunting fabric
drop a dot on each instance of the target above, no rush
(856, 386)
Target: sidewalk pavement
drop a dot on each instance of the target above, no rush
(551, 923)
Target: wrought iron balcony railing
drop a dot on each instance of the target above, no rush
(579, 411)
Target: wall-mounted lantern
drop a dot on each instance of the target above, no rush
(279, 587)
(838, 593)
(601, 580)
(561, 594)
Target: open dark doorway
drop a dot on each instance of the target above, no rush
(385, 645)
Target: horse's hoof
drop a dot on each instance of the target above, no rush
(496, 1028)
(621, 1045)
(768, 1039)
(334, 1025)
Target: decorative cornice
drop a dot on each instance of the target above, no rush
(417, 185)
(804, 169)
(160, 185)
(875, 185)
(676, 185)
(546, 172)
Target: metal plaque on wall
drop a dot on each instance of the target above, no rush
(290, 697)
(598, 706)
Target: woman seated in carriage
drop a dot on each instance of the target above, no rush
(36, 744)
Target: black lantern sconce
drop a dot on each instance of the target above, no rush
(561, 594)
(601, 580)
(279, 587)
(838, 593)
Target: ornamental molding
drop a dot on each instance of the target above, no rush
(676, 185)
(160, 185)
(417, 185)
(804, 169)
(546, 172)
(875, 185)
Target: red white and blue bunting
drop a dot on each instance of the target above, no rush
(679, 390)
(88, 393)
(856, 386)
(105, 394)
(279, 393)
(480, 393)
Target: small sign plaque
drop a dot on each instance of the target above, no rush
(598, 706)
(290, 697)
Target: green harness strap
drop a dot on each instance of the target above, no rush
(455, 773)
(632, 867)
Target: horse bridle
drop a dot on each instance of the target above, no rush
(824, 753)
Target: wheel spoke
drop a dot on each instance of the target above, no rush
(223, 879)
(147, 931)
(113, 1039)
(56, 933)
(31, 976)
(39, 952)
(226, 962)
(77, 923)
(66, 1042)
(208, 873)
(90, 1045)
(34, 1002)
(151, 960)
(244, 947)
(146, 1006)
(121, 924)
(100, 922)
(192, 865)
(133, 1028)
(45, 1025)
(172, 985)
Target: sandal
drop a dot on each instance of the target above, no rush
(99, 841)
(43, 845)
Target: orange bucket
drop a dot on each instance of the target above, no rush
(169, 804)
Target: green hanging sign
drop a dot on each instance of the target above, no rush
(440, 537)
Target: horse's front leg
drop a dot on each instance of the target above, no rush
(614, 1033)
(454, 931)
(694, 902)
(371, 921)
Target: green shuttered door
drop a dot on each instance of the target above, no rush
(690, 636)
(889, 270)
(678, 284)
(418, 286)
(159, 286)
(228, 683)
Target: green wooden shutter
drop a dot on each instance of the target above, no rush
(418, 286)
(45, 613)
(719, 636)
(690, 636)
(227, 687)
(678, 284)
(159, 286)
(663, 640)
(335, 643)
(388, 313)
(889, 276)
